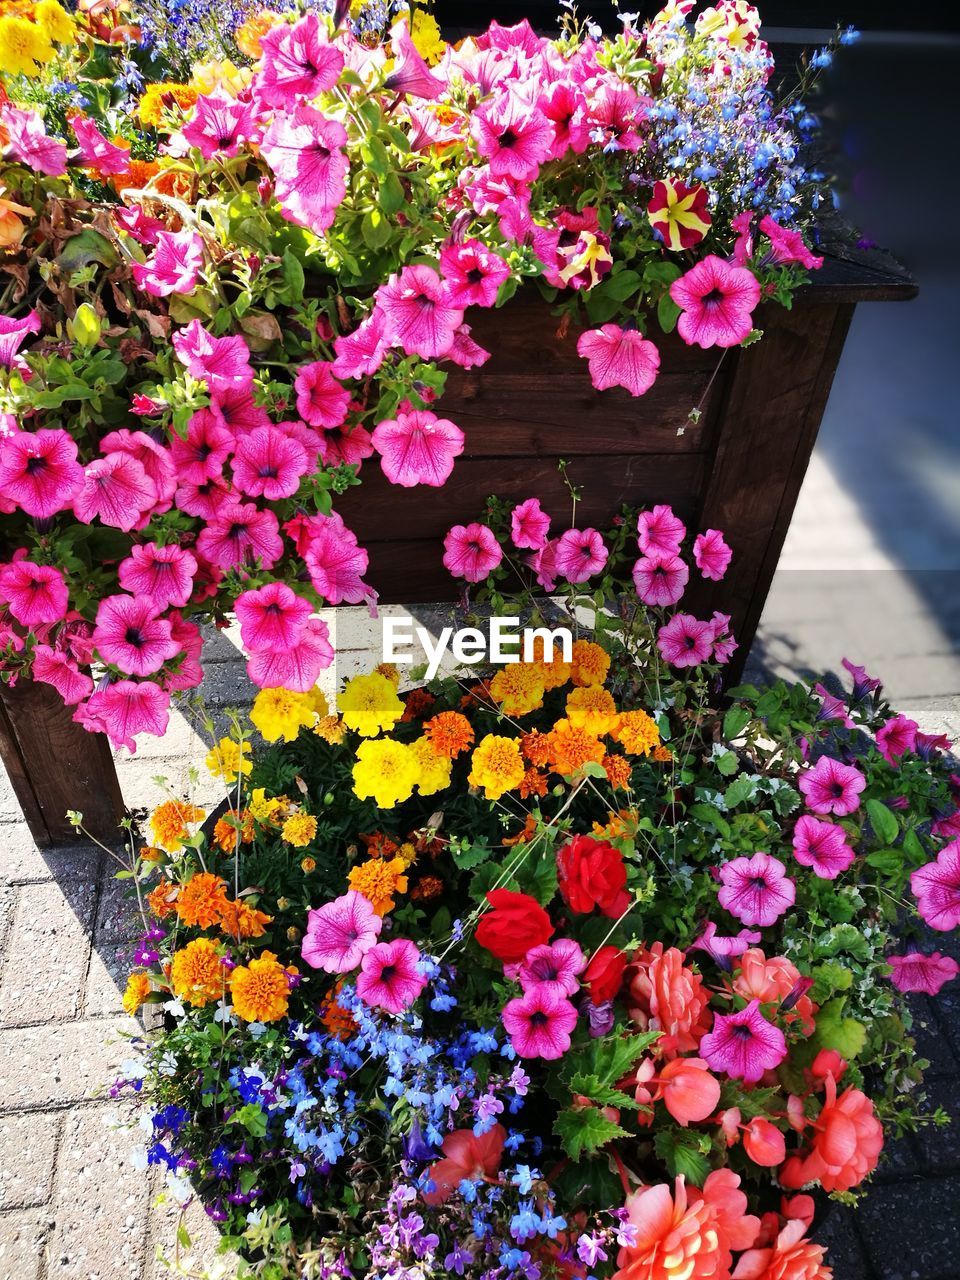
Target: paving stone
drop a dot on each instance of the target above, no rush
(23, 1237)
(118, 919)
(940, 1147)
(48, 951)
(21, 862)
(911, 1230)
(106, 981)
(60, 1064)
(203, 1252)
(28, 1148)
(898, 1159)
(844, 1249)
(8, 900)
(932, 1044)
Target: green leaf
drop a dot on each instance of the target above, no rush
(585, 1130)
(739, 790)
(89, 246)
(834, 1031)
(610, 1060)
(390, 196)
(293, 278)
(253, 1118)
(681, 1153)
(913, 847)
(668, 313)
(886, 861)
(883, 821)
(622, 285)
(375, 229)
(734, 722)
(592, 1087)
(727, 763)
(470, 856)
(711, 816)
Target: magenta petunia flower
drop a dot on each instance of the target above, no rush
(896, 738)
(298, 61)
(222, 363)
(685, 641)
(219, 124)
(29, 142)
(236, 410)
(743, 1045)
(200, 455)
(743, 246)
(335, 560)
(152, 456)
(348, 445)
(124, 709)
(936, 886)
(832, 787)
(410, 75)
(756, 890)
(660, 579)
(619, 357)
(39, 472)
(580, 553)
(724, 645)
(862, 683)
(565, 106)
(788, 246)
(712, 554)
(361, 353)
(297, 668)
(305, 151)
(464, 351)
(472, 274)
(529, 525)
(202, 500)
(832, 707)
(539, 1023)
(717, 300)
(268, 462)
(321, 399)
(271, 617)
(554, 965)
(189, 671)
(418, 315)
(471, 552)
(13, 333)
(723, 948)
(162, 573)
(616, 112)
(822, 846)
(136, 223)
(130, 635)
(175, 265)
(96, 151)
(340, 933)
(543, 562)
(514, 137)
(238, 534)
(58, 669)
(417, 447)
(117, 490)
(918, 972)
(660, 531)
(390, 976)
(35, 594)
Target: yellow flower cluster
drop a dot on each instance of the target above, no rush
(378, 880)
(28, 33)
(228, 759)
(280, 713)
(261, 989)
(370, 704)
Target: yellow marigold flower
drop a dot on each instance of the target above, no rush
(169, 823)
(331, 729)
(518, 688)
(571, 747)
(307, 865)
(299, 829)
(591, 707)
(617, 769)
(202, 899)
(228, 758)
(555, 672)
(407, 853)
(426, 37)
(434, 768)
(196, 973)
(496, 766)
(369, 703)
(266, 808)
(23, 46)
(662, 753)
(281, 713)
(157, 98)
(385, 771)
(590, 663)
(317, 702)
(637, 732)
(56, 23)
(260, 989)
(378, 880)
(138, 988)
(449, 733)
(251, 32)
(241, 920)
(220, 75)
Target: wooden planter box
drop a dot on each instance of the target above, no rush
(739, 469)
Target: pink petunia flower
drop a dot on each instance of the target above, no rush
(335, 560)
(471, 552)
(189, 672)
(268, 462)
(756, 890)
(724, 645)
(222, 363)
(565, 106)
(464, 351)
(539, 1023)
(321, 400)
(619, 357)
(418, 315)
(554, 965)
(297, 668)
(417, 447)
(410, 75)
(162, 573)
(131, 635)
(29, 142)
(340, 933)
(822, 846)
(918, 972)
(298, 61)
(832, 707)
(896, 738)
(743, 246)
(35, 594)
(712, 554)
(271, 617)
(14, 331)
(117, 490)
(529, 525)
(361, 353)
(239, 534)
(137, 223)
(743, 1045)
(152, 456)
(685, 641)
(717, 300)
(200, 455)
(305, 151)
(201, 500)
(219, 124)
(543, 562)
(39, 471)
(660, 531)
(616, 113)
(236, 410)
(832, 787)
(58, 669)
(580, 553)
(862, 683)
(660, 579)
(390, 976)
(788, 246)
(936, 886)
(724, 948)
(472, 274)
(514, 137)
(175, 265)
(124, 709)
(96, 151)
(345, 445)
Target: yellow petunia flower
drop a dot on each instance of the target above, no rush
(369, 703)
(385, 771)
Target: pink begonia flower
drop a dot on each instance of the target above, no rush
(222, 363)
(717, 301)
(200, 455)
(660, 579)
(756, 890)
(936, 886)
(832, 707)
(896, 737)
(862, 683)
(340, 933)
(832, 787)
(334, 559)
(117, 490)
(464, 351)
(764, 1143)
(539, 1023)
(543, 562)
(219, 125)
(35, 594)
(348, 445)
(472, 274)
(822, 846)
(164, 574)
(565, 106)
(268, 462)
(554, 965)
(616, 112)
(916, 971)
(96, 151)
(305, 152)
(361, 353)
(724, 948)
(417, 313)
(14, 331)
(685, 641)
(390, 976)
(271, 617)
(174, 267)
(711, 554)
(788, 246)
(153, 457)
(580, 553)
(297, 668)
(724, 645)
(619, 357)
(137, 224)
(529, 525)
(30, 143)
(130, 635)
(58, 669)
(743, 247)
(513, 136)
(124, 709)
(417, 447)
(660, 531)
(39, 472)
(238, 534)
(321, 399)
(187, 636)
(410, 75)
(743, 1045)
(471, 552)
(298, 62)
(689, 1091)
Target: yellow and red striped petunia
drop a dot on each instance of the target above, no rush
(679, 213)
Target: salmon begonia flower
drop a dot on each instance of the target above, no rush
(847, 1141)
(791, 1257)
(669, 997)
(466, 1156)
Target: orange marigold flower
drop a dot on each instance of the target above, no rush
(196, 973)
(427, 888)
(334, 1017)
(536, 747)
(661, 753)
(518, 688)
(157, 98)
(240, 920)
(554, 673)
(590, 664)
(622, 823)
(227, 830)
(617, 769)
(791, 1257)
(534, 784)
(169, 823)
(307, 865)
(527, 832)
(449, 733)
(137, 174)
(389, 672)
(571, 748)
(331, 729)
(417, 703)
(163, 899)
(379, 845)
(637, 733)
(201, 901)
(260, 989)
(248, 35)
(149, 854)
(378, 881)
(592, 707)
(138, 988)
(669, 997)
